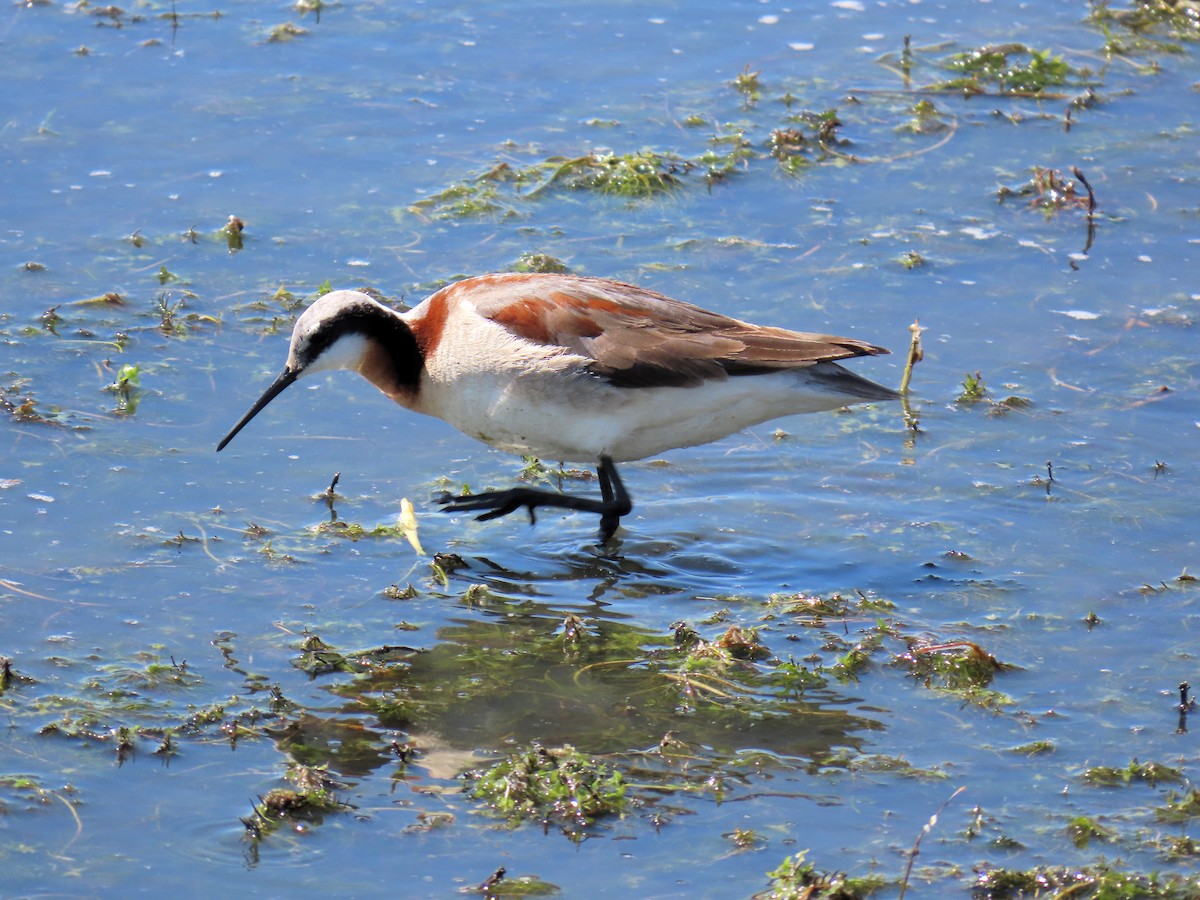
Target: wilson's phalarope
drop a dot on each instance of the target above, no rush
(565, 367)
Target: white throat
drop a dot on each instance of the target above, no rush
(346, 352)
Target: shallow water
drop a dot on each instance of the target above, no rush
(124, 538)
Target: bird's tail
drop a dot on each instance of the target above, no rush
(835, 379)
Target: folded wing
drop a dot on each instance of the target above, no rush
(638, 338)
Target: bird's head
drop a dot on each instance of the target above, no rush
(333, 333)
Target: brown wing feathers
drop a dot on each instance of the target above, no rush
(639, 338)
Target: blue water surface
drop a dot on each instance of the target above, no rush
(128, 546)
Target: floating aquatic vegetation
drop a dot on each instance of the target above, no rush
(539, 262)
(22, 406)
(925, 119)
(284, 32)
(232, 232)
(798, 879)
(1178, 19)
(803, 138)
(1181, 807)
(127, 388)
(1034, 748)
(1006, 69)
(729, 149)
(309, 801)
(808, 138)
(1151, 773)
(1084, 829)
(847, 760)
(747, 84)
(973, 390)
(477, 196)
(959, 666)
(1081, 883)
(555, 785)
(1049, 191)
(10, 676)
(632, 175)
(319, 658)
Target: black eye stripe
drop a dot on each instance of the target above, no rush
(373, 323)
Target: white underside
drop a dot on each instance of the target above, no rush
(628, 423)
(548, 405)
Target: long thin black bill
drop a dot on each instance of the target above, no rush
(286, 377)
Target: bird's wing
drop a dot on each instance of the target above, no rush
(638, 338)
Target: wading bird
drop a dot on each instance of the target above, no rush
(571, 368)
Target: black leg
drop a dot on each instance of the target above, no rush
(616, 499)
(604, 475)
(613, 504)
